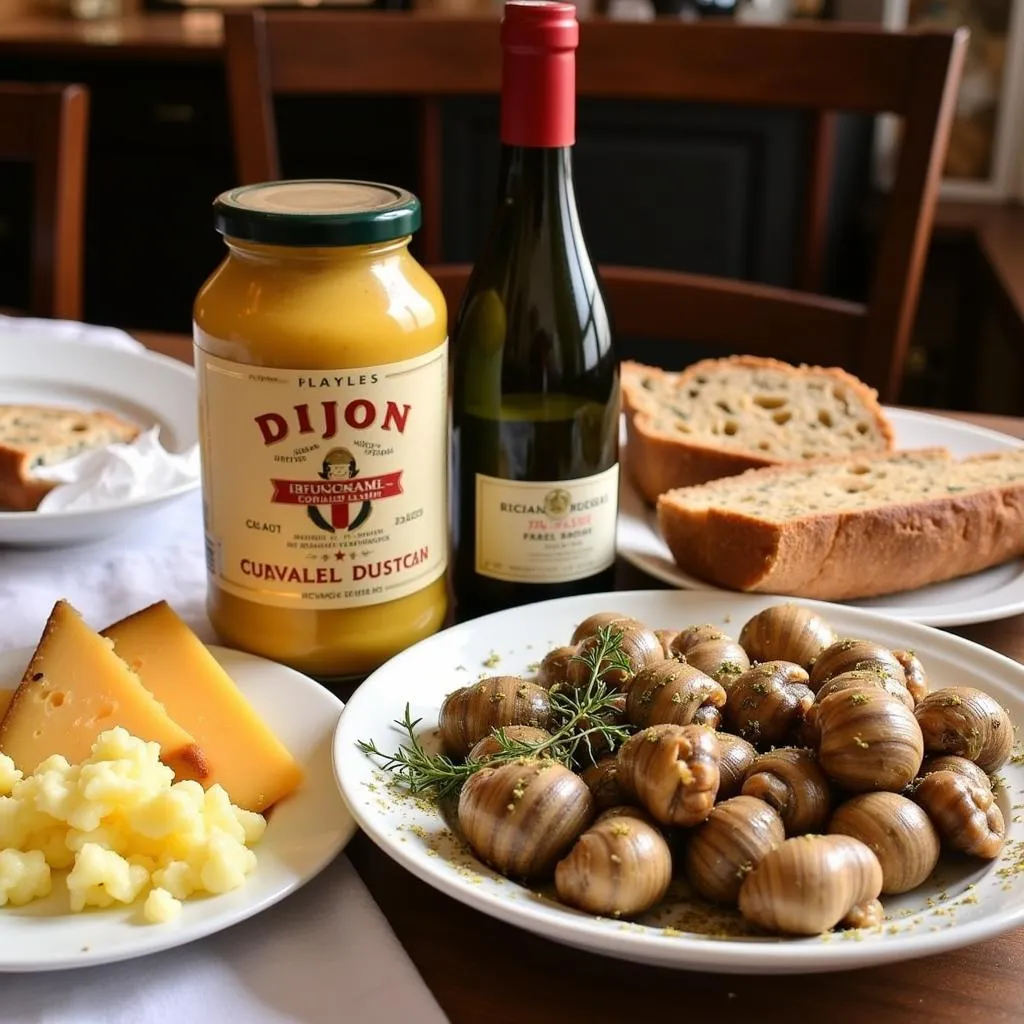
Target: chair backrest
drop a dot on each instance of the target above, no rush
(820, 68)
(47, 126)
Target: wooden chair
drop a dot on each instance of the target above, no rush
(820, 68)
(47, 125)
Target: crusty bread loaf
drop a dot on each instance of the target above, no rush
(38, 435)
(858, 527)
(720, 417)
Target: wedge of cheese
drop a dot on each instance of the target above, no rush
(76, 687)
(241, 751)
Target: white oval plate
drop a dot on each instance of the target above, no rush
(982, 597)
(414, 833)
(145, 387)
(304, 834)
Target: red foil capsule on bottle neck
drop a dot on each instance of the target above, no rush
(538, 74)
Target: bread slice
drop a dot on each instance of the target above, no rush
(850, 528)
(720, 417)
(40, 435)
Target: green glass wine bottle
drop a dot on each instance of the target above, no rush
(535, 403)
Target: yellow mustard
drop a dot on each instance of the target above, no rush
(321, 357)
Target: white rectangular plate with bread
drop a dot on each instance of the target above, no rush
(896, 511)
(111, 391)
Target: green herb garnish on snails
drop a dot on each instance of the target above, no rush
(584, 725)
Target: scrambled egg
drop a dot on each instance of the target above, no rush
(121, 827)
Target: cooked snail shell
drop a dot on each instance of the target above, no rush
(962, 720)
(672, 770)
(917, 678)
(636, 645)
(768, 702)
(712, 651)
(596, 745)
(708, 715)
(786, 632)
(846, 655)
(965, 814)
(899, 832)
(620, 866)
(867, 740)
(489, 745)
(554, 667)
(733, 840)
(790, 781)
(809, 884)
(665, 637)
(956, 764)
(470, 713)
(866, 677)
(602, 779)
(671, 691)
(593, 624)
(522, 816)
(735, 756)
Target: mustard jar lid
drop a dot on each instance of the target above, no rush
(317, 212)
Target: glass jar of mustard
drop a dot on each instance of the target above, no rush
(321, 358)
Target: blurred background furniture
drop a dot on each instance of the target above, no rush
(817, 70)
(724, 189)
(45, 128)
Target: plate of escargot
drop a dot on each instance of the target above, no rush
(706, 781)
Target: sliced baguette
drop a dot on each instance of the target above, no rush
(38, 435)
(720, 417)
(859, 527)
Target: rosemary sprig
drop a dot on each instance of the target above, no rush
(578, 718)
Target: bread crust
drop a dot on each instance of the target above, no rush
(842, 556)
(657, 461)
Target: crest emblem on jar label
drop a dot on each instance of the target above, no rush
(321, 488)
(340, 499)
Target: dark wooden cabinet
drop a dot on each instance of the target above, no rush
(712, 190)
(709, 190)
(159, 152)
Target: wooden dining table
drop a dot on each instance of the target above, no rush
(484, 971)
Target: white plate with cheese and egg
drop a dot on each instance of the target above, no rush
(960, 900)
(223, 863)
(993, 594)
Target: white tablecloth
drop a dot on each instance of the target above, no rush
(325, 954)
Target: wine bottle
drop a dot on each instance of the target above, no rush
(535, 403)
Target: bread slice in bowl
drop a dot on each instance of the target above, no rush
(40, 435)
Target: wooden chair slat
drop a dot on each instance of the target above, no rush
(820, 68)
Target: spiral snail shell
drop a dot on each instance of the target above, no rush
(522, 816)
(621, 865)
(786, 632)
(810, 884)
(731, 842)
(965, 721)
(672, 770)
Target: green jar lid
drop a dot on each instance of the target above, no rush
(317, 211)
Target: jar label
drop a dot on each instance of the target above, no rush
(546, 532)
(325, 488)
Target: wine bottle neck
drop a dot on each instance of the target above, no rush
(540, 178)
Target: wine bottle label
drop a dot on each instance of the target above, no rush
(324, 488)
(546, 532)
